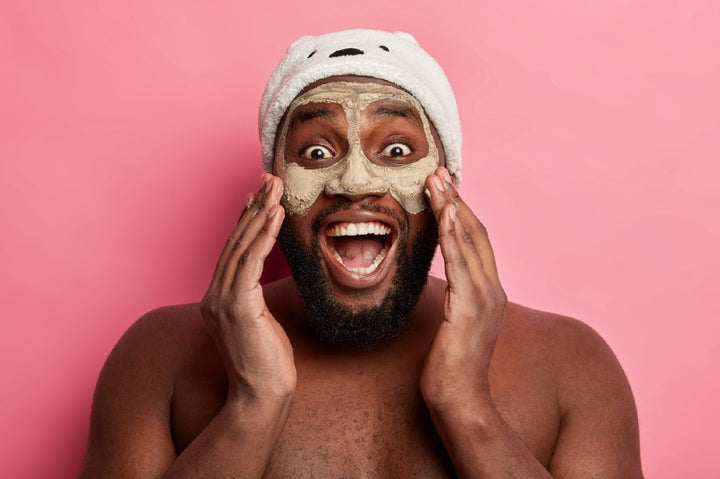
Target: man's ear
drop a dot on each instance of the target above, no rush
(276, 157)
(274, 164)
(438, 143)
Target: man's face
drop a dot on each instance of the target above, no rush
(359, 237)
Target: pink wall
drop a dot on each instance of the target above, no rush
(127, 143)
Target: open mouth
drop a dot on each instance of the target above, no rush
(359, 247)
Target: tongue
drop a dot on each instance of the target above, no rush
(358, 251)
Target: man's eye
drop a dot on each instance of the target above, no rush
(396, 150)
(316, 152)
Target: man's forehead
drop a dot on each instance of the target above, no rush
(356, 95)
(358, 79)
(378, 99)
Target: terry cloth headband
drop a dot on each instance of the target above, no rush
(394, 57)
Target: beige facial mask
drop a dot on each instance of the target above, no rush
(355, 173)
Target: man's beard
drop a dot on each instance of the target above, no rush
(337, 324)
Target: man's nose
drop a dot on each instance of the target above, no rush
(357, 177)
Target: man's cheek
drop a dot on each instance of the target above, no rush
(302, 187)
(407, 183)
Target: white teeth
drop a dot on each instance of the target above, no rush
(355, 229)
(337, 257)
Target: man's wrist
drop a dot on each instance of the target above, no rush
(475, 417)
(244, 408)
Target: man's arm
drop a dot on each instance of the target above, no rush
(130, 425)
(130, 419)
(598, 434)
(455, 382)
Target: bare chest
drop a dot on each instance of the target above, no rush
(359, 429)
(365, 422)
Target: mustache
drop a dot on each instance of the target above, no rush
(362, 205)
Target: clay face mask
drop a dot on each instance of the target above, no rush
(355, 173)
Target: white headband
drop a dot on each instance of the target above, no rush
(394, 57)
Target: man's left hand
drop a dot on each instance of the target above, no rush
(455, 376)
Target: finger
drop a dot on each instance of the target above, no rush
(231, 242)
(260, 216)
(229, 246)
(251, 206)
(469, 251)
(474, 228)
(252, 261)
(438, 195)
(259, 211)
(457, 268)
(253, 203)
(443, 192)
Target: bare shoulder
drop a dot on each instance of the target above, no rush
(559, 335)
(546, 324)
(130, 433)
(147, 360)
(164, 325)
(577, 354)
(161, 338)
(598, 430)
(162, 347)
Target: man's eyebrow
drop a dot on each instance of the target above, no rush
(399, 110)
(307, 114)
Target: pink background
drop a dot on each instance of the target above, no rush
(128, 141)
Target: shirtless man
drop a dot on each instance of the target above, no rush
(361, 365)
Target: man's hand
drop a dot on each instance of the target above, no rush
(454, 381)
(455, 376)
(256, 351)
(254, 348)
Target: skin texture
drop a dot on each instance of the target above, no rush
(475, 386)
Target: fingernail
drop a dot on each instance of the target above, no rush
(427, 193)
(446, 175)
(278, 187)
(264, 190)
(438, 183)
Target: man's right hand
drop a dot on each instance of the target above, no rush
(256, 351)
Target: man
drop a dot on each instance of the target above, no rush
(361, 365)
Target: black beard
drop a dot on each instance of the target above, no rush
(336, 324)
